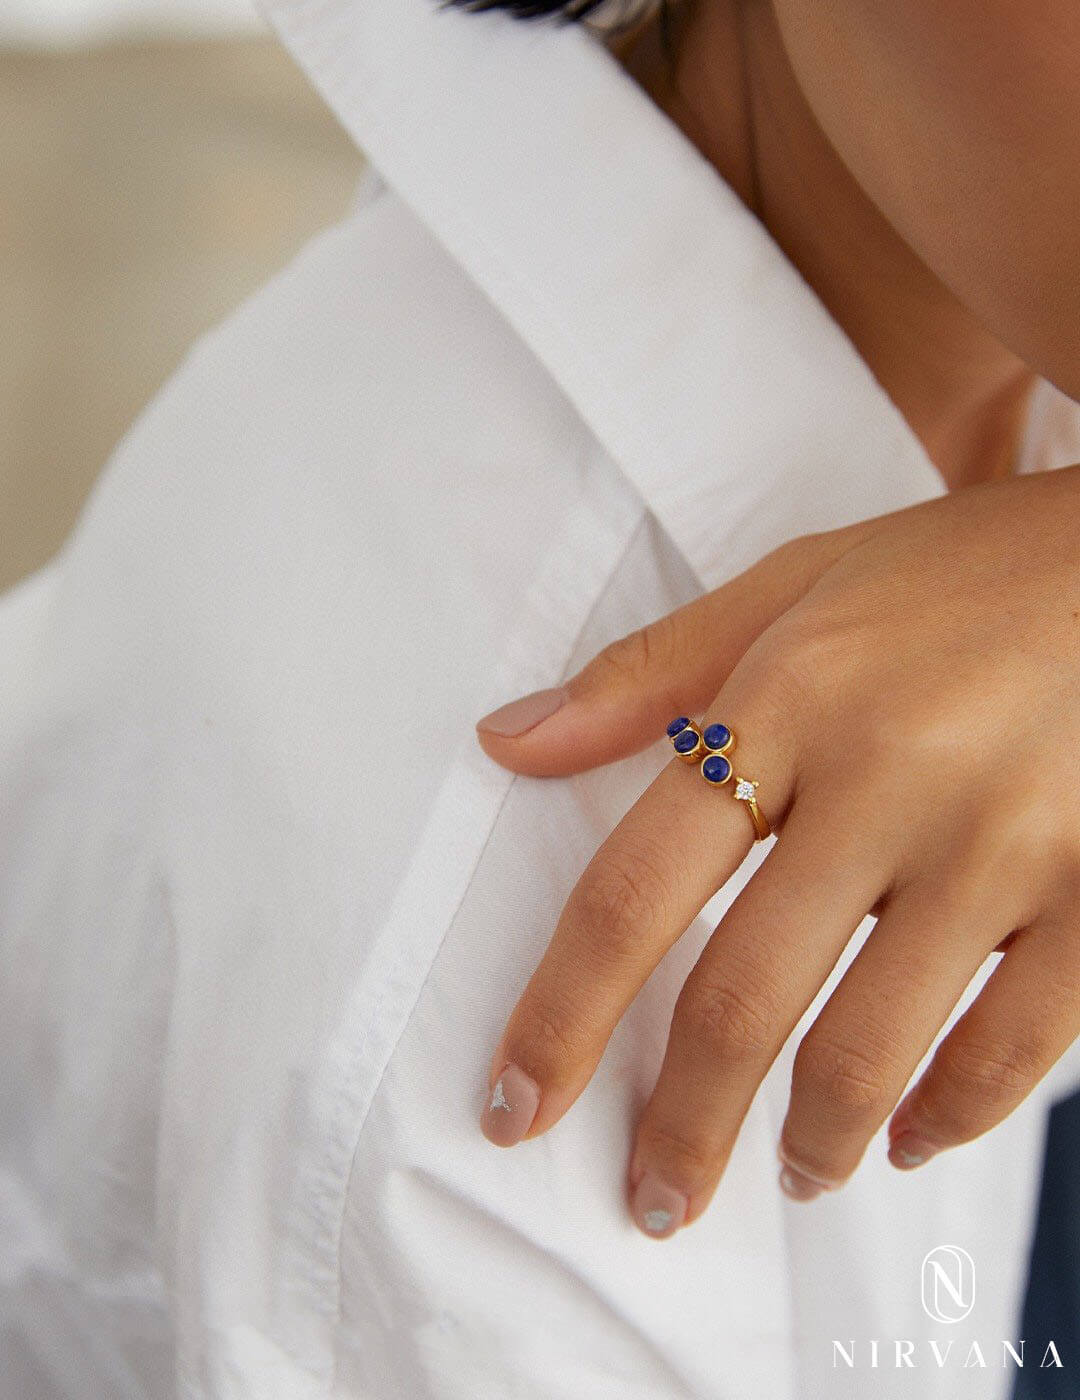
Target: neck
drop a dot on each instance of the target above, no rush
(731, 90)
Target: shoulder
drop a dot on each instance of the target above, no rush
(358, 515)
(366, 415)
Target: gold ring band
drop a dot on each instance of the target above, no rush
(745, 791)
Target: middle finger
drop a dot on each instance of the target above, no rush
(764, 965)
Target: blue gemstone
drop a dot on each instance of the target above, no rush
(716, 736)
(677, 724)
(716, 768)
(685, 741)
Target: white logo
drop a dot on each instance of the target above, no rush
(948, 1283)
(948, 1295)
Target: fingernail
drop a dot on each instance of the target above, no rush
(657, 1209)
(511, 1108)
(520, 715)
(909, 1150)
(797, 1186)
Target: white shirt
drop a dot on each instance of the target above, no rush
(265, 905)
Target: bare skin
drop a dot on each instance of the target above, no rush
(962, 390)
(905, 689)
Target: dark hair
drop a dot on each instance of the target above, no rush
(534, 9)
(625, 17)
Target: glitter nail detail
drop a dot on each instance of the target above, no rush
(511, 1107)
(658, 1209)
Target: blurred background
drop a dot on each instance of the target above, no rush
(159, 159)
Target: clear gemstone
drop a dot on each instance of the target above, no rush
(744, 789)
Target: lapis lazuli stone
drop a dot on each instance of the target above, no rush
(716, 768)
(685, 741)
(677, 724)
(716, 736)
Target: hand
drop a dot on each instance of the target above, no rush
(907, 692)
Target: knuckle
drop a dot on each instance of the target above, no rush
(800, 557)
(962, 887)
(1013, 834)
(1031, 830)
(735, 1025)
(623, 895)
(850, 1081)
(1064, 843)
(686, 1159)
(629, 658)
(976, 1074)
(889, 743)
(809, 637)
(792, 665)
(775, 671)
(550, 1041)
(1041, 861)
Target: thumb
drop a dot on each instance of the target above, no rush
(621, 701)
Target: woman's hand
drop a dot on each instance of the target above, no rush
(907, 692)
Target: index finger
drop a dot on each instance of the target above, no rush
(676, 846)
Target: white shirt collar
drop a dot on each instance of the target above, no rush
(688, 342)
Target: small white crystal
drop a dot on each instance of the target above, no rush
(744, 789)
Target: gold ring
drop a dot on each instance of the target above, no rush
(712, 747)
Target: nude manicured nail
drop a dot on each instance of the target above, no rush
(511, 1107)
(520, 715)
(657, 1209)
(797, 1186)
(909, 1150)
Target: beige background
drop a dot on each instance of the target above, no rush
(145, 189)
